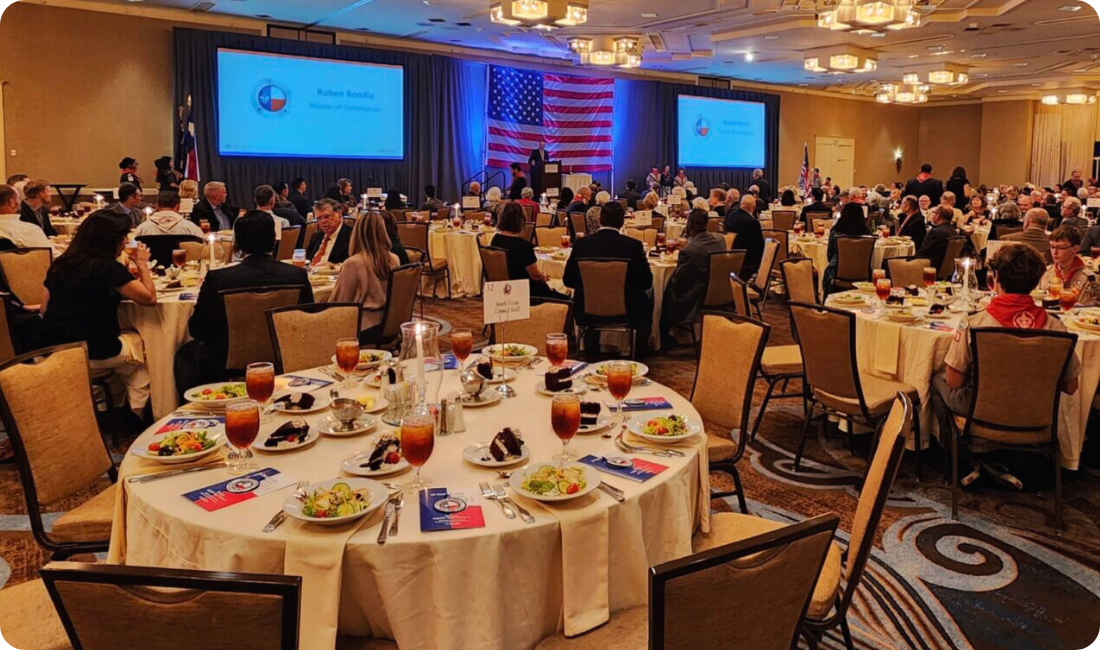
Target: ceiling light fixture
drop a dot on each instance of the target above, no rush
(539, 13)
(750, 57)
(902, 94)
(874, 15)
(843, 59)
(604, 51)
(940, 74)
(1073, 98)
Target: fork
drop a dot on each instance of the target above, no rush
(631, 449)
(489, 494)
(502, 496)
(280, 517)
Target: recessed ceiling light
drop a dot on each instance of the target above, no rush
(914, 56)
(1036, 85)
(933, 48)
(1021, 64)
(771, 38)
(649, 14)
(1002, 91)
(983, 74)
(878, 35)
(1070, 8)
(750, 57)
(1081, 70)
(978, 56)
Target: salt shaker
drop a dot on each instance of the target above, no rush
(457, 422)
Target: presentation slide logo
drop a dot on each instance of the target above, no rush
(270, 99)
(702, 127)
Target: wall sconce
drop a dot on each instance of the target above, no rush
(897, 159)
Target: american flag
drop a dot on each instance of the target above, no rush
(807, 183)
(572, 115)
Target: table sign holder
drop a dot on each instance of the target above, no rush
(503, 302)
(471, 203)
(643, 218)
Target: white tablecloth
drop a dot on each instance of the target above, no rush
(498, 587)
(921, 352)
(818, 249)
(979, 237)
(459, 248)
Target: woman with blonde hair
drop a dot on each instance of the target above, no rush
(651, 201)
(189, 189)
(364, 277)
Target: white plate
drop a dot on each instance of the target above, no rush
(143, 452)
(577, 388)
(365, 365)
(373, 379)
(487, 398)
(641, 370)
(330, 426)
(211, 405)
(320, 402)
(601, 424)
(378, 497)
(591, 477)
(312, 436)
(1087, 326)
(865, 287)
(352, 463)
(635, 427)
(492, 351)
(943, 315)
(477, 454)
(508, 375)
(380, 404)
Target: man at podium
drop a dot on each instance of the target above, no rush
(535, 160)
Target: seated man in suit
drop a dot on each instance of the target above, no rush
(129, 204)
(631, 194)
(581, 202)
(283, 207)
(1034, 233)
(608, 242)
(203, 359)
(934, 246)
(912, 221)
(750, 237)
(688, 285)
(329, 245)
(431, 203)
(297, 197)
(35, 208)
(214, 208)
(1071, 213)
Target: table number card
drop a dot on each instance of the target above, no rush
(506, 301)
(553, 192)
(640, 472)
(242, 488)
(374, 192)
(441, 509)
(1093, 203)
(471, 203)
(643, 218)
(187, 206)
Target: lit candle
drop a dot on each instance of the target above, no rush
(148, 212)
(364, 198)
(421, 376)
(966, 278)
(213, 239)
(98, 201)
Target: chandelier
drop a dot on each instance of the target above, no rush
(1076, 98)
(840, 59)
(873, 15)
(944, 74)
(902, 94)
(621, 51)
(545, 14)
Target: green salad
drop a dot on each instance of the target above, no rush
(510, 350)
(672, 426)
(226, 391)
(602, 369)
(550, 481)
(181, 443)
(338, 501)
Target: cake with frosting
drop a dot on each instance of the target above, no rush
(558, 380)
(386, 452)
(590, 413)
(506, 445)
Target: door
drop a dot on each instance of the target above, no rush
(836, 158)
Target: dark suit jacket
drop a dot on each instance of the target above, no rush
(135, 216)
(203, 211)
(934, 246)
(933, 187)
(536, 158)
(765, 195)
(577, 206)
(816, 207)
(40, 218)
(339, 250)
(515, 191)
(631, 197)
(1091, 238)
(750, 238)
(290, 214)
(916, 228)
(208, 322)
(639, 278)
(300, 202)
(1037, 238)
(688, 283)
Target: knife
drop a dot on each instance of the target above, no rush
(397, 514)
(275, 522)
(386, 521)
(612, 492)
(146, 478)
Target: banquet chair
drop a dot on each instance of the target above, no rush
(415, 236)
(954, 249)
(304, 336)
(494, 263)
(10, 342)
(782, 252)
(23, 272)
(714, 224)
(102, 606)
(561, 218)
(767, 224)
(784, 219)
(48, 411)
(730, 237)
(825, 221)
(801, 279)
(998, 417)
(717, 294)
(542, 219)
(648, 236)
(658, 222)
(193, 249)
(577, 223)
(548, 316)
(349, 222)
(853, 261)
(477, 215)
(729, 359)
(307, 233)
(161, 246)
(247, 337)
(750, 594)
(906, 271)
(550, 235)
(762, 281)
(827, 339)
(603, 281)
(838, 579)
(401, 292)
(284, 248)
(442, 214)
(739, 290)
(398, 214)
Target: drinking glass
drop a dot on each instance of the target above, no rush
(877, 275)
(488, 220)
(418, 441)
(819, 230)
(347, 357)
(882, 289)
(620, 377)
(661, 239)
(1067, 299)
(929, 276)
(557, 349)
(259, 381)
(242, 424)
(179, 257)
(565, 419)
(565, 241)
(420, 359)
(205, 226)
(1094, 252)
(799, 228)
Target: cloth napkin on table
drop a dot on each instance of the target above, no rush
(887, 343)
(699, 444)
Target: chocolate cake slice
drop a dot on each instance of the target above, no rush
(590, 413)
(558, 380)
(382, 454)
(296, 401)
(485, 368)
(294, 432)
(506, 444)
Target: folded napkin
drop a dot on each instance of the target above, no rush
(887, 343)
(648, 404)
(699, 444)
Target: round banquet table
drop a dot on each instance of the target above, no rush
(913, 353)
(496, 587)
(459, 249)
(818, 248)
(673, 228)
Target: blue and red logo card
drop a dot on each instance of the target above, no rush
(443, 510)
(191, 423)
(238, 489)
(643, 404)
(639, 470)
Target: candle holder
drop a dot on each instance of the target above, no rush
(966, 276)
(421, 362)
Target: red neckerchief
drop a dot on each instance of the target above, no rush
(1017, 310)
(1078, 264)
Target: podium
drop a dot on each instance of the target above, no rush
(547, 175)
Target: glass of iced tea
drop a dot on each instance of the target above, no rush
(347, 357)
(878, 274)
(462, 342)
(929, 276)
(242, 424)
(565, 419)
(1094, 252)
(557, 349)
(620, 377)
(488, 220)
(259, 380)
(799, 228)
(205, 226)
(1067, 299)
(565, 241)
(882, 289)
(418, 441)
(819, 229)
(661, 239)
(179, 257)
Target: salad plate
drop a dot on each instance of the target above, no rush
(486, 398)
(865, 287)
(600, 425)
(372, 403)
(575, 389)
(214, 397)
(337, 501)
(510, 352)
(367, 359)
(664, 428)
(547, 482)
(1090, 323)
(478, 454)
(599, 372)
(503, 378)
(181, 446)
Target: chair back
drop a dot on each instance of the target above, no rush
(550, 235)
(604, 285)
(824, 221)
(305, 336)
(784, 219)
(413, 234)
(442, 214)
(542, 219)
(1001, 352)
(106, 606)
(349, 222)
(576, 219)
(194, 250)
(48, 413)
(24, 272)
(494, 263)
(750, 594)
(714, 224)
(739, 292)
(478, 216)
(728, 363)
(307, 232)
(400, 299)
(658, 222)
(854, 255)
(826, 337)
(247, 338)
(954, 250)
(763, 279)
(800, 279)
(161, 246)
(730, 238)
(7, 335)
(398, 214)
(548, 316)
(905, 271)
(766, 224)
(284, 250)
(721, 265)
(647, 236)
(782, 252)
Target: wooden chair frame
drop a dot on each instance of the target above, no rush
(311, 308)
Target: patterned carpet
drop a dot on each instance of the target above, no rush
(1000, 578)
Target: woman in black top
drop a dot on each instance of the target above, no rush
(84, 287)
(167, 177)
(519, 252)
(958, 184)
(787, 200)
(851, 223)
